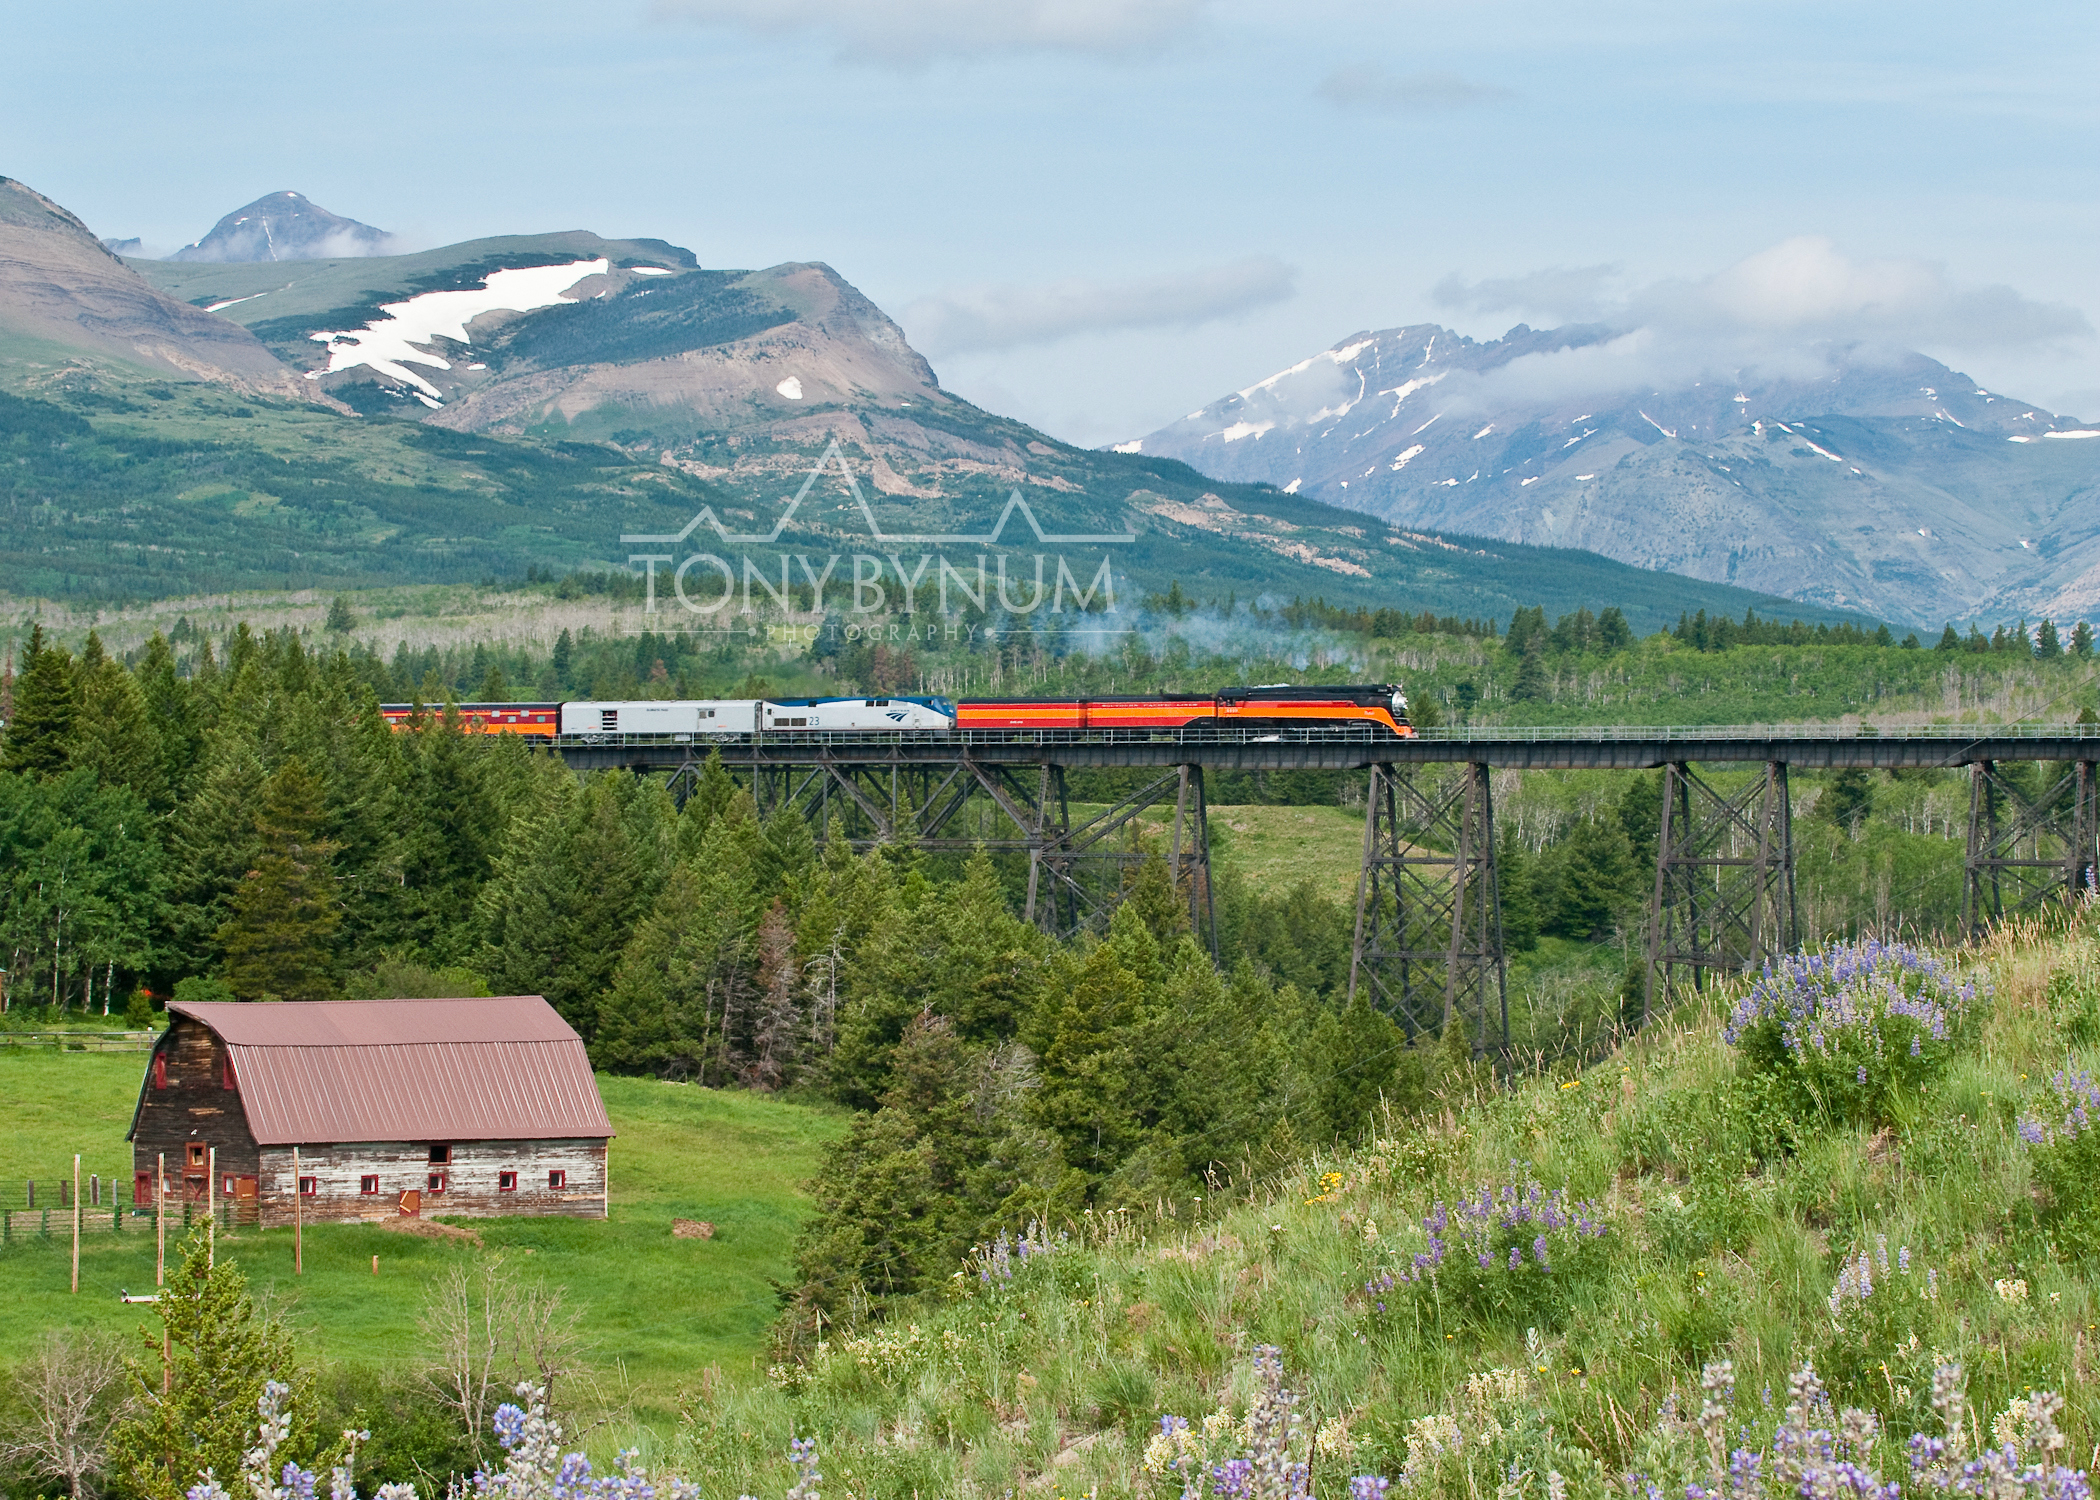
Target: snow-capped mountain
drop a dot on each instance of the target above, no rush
(285, 226)
(1853, 478)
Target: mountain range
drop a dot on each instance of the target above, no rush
(538, 400)
(1857, 478)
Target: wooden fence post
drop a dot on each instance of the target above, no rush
(76, 1223)
(298, 1217)
(160, 1220)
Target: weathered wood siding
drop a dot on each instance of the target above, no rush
(472, 1179)
(194, 1109)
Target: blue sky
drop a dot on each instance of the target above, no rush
(1100, 214)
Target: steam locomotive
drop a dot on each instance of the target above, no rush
(1272, 711)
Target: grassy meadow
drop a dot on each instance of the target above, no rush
(656, 1309)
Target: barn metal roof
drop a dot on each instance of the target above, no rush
(311, 1072)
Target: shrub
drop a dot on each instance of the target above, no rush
(2063, 1141)
(1507, 1255)
(1852, 1033)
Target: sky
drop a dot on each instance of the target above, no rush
(1099, 215)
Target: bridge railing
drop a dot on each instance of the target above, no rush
(1353, 734)
(1496, 734)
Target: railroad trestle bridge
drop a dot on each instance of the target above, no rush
(1428, 940)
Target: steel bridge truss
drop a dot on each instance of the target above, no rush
(1428, 948)
(1077, 875)
(2026, 849)
(1724, 895)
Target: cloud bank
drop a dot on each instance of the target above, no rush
(912, 33)
(979, 318)
(1370, 88)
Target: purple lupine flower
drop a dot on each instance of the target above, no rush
(1234, 1477)
(1368, 1487)
(1538, 1250)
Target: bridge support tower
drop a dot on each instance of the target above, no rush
(1724, 895)
(2028, 843)
(1428, 948)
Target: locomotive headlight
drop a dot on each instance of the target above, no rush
(1399, 701)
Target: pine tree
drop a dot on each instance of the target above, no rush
(115, 735)
(280, 938)
(220, 1352)
(340, 620)
(1950, 640)
(47, 703)
(1532, 682)
(2082, 641)
(2047, 644)
(564, 660)
(563, 901)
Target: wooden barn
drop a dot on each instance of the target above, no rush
(477, 1107)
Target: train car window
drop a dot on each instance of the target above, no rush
(608, 718)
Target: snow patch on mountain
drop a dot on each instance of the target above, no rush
(388, 345)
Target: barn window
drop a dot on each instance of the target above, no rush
(435, 1182)
(226, 1184)
(142, 1189)
(160, 1070)
(506, 1182)
(557, 1178)
(441, 1155)
(196, 1155)
(369, 1183)
(309, 1187)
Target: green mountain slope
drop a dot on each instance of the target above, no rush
(120, 487)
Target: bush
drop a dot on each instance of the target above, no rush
(1851, 1034)
(1509, 1256)
(2063, 1138)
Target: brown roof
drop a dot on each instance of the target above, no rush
(507, 1068)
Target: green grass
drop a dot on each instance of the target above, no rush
(657, 1310)
(1054, 1382)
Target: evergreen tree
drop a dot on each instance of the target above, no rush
(1083, 1031)
(1532, 683)
(1594, 881)
(115, 737)
(1518, 889)
(280, 937)
(1848, 799)
(686, 976)
(2082, 641)
(1640, 814)
(171, 709)
(1949, 641)
(221, 1350)
(2047, 644)
(564, 660)
(47, 702)
(340, 620)
(563, 900)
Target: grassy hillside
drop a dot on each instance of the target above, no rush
(656, 1309)
(1875, 1247)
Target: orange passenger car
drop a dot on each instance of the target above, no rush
(538, 720)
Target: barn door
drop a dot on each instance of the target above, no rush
(142, 1189)
(412, 1203)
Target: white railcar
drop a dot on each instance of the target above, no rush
(678, 719)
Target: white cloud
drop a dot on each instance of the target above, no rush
(911, 33)
(1369, 87)
(1796, 310)
(1806, 287)
(1005, 317)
